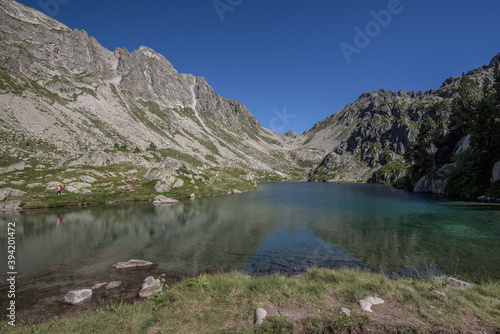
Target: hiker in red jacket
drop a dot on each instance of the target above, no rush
(59, 190)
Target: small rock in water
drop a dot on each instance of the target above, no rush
(150, 287)
(366, 303)
(457, 283)
(259, 316)
(113, 285)
(78, 297)
(345, 311)
(440, 294)
(132, 264)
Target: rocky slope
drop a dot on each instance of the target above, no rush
(377, 129)
(66, 100)
(63, 95)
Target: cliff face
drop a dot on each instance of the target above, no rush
(63, 95)
(377, 129)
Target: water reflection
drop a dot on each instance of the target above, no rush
(305, 224)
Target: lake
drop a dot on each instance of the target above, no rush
(280, 227)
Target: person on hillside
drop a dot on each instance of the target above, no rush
(59, 190)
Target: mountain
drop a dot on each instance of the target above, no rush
(63, 95)
(378, 128)
(66, 100)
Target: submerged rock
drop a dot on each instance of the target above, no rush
(78, 297)
(133, 264)
(150, 287)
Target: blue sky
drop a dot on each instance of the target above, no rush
(293, 63)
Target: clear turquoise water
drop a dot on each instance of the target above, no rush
(280, 227)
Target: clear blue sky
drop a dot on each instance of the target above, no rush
(287, 55)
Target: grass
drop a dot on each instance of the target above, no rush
(224, 303)
(123, 186)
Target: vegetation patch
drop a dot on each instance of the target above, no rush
(309, 303)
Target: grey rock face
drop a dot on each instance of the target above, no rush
(495, 172)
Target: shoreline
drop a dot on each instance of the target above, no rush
(227, 300)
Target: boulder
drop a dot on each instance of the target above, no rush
(367, 303)
(457, 283)
(98, 286)
(17, 183)
(259, 316)
(78, 297)
(88, 179)
(33, 185)
(495, 172)
(149, 287)
(10, 206)
(247, 177)
(133, 264)
(3, 196)
(236, 191)
(40, 166)
(114, 287)
(77, 186)
(53, 185)
(164, 200)
(161, 187)
(9, 192)
(178, 183)
(439, 294)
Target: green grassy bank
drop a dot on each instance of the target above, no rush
(225, 303)
(115, 183)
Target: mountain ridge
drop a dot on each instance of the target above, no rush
(65, 96)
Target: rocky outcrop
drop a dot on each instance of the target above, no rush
(71, 96)
(495, 172)
(435, 184)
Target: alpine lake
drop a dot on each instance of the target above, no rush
(280, 227)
